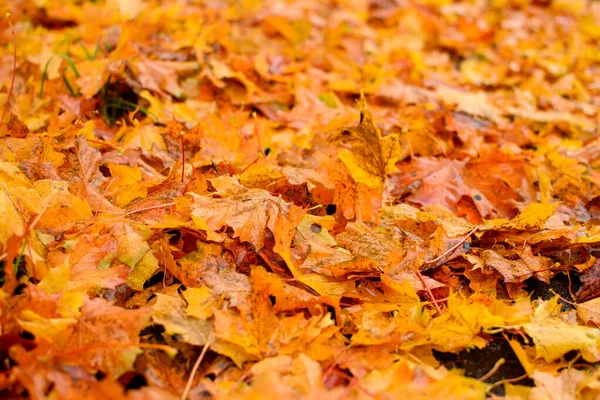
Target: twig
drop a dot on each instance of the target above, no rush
(452, 249)
(570, 285)
(429, 293)
(188, 386)
(182, 156)
(576, 305)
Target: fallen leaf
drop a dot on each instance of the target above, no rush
(368, 156)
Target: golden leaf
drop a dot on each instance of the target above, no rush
(368, 156)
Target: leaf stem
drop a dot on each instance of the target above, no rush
(150, 208)
(492, 371)
(503, 381)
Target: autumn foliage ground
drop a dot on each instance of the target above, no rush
(300, 199)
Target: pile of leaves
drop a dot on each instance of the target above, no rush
(300, 199)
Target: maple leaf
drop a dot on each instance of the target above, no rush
(533, 216)
(72, 325)
(386, 323)
(92, 264)
(371, 157)
(590, 283)
(517, 270)
(288, 377)
(131, 245)
(14, 127)
(213, 265)
(199, 302)
(248, 212)
(104, 325)
(144, 137)
(334, 262)
(256, 330)
(565, 385)
(127, 184)
(93, 74)
(474, 103)
(168, 311)
(462, 325)
(554, 337)
(332, 184)
(440, 181)
(161, 76)
(495, 183)
(11, 221)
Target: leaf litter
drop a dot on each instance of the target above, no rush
(297, 199)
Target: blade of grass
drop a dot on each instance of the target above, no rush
(89, 56)
(70, 62)
(45, 76)
(66, 81)
(129, 106)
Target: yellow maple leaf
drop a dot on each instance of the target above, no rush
(534, 216)
(11, 222)
(460, 326)
(368, 156)
(199, 302)
(142, 271)
(127, 184)
(144, 137)
(168, 311)
(248, 212)
(131, 245)
(56, 279)
(553, 337)
(260, 175)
